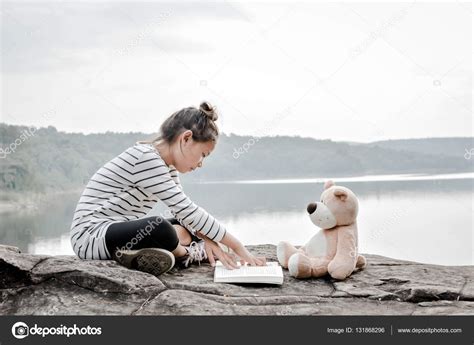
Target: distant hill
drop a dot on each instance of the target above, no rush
(52, 160)
(454, 147)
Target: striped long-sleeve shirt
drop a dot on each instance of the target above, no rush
(126, 188)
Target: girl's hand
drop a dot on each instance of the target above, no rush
(227, 259)
(245, 256)
(214, 250)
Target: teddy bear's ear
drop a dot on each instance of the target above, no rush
(341, 194)
(328, 184)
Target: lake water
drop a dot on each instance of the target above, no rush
(424, 218)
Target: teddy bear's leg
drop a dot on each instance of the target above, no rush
(303, 266)
(319, 267)
(300, 266)
(284, 251)
(361, 262)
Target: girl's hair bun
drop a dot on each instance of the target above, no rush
(199, 121)
(208, 110)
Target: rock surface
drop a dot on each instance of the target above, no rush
(67, 285)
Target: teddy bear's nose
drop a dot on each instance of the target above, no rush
(312, 207)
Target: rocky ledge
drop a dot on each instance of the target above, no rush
(66, 285)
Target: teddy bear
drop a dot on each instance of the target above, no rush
(333, 249)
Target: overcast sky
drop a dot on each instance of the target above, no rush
(357, 72)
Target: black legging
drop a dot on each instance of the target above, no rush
(149, 232)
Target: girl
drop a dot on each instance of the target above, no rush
(110, 219)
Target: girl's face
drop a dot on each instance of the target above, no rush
(189, 154)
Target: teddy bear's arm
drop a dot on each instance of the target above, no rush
(345, 260)
(331, 242)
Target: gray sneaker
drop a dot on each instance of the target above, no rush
(155, 261)
(195, 253)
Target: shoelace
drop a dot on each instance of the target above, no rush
(196, 252)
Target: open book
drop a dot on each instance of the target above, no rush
(270, 274)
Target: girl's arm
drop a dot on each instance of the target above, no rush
(230, 241)
(241, 251)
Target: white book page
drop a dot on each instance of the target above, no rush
(272, 268)
(271, 274)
